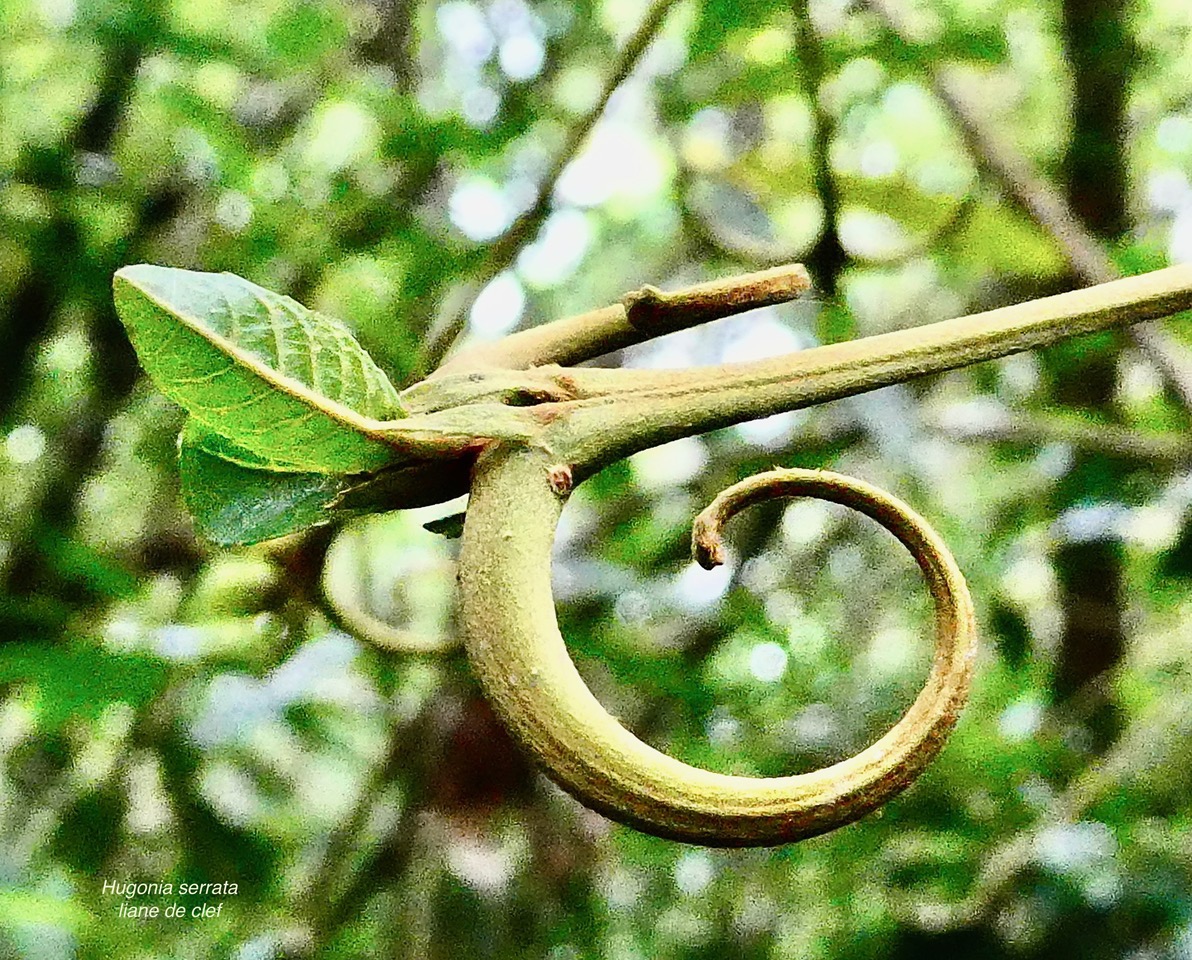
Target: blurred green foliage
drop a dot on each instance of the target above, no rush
(176, 713)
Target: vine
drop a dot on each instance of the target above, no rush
(292, 424)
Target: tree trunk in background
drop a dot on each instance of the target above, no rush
(1100, 53)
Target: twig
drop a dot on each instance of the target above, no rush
(505, 250)
(322, 886)
(640, 316)
(603, 415)
(1041, 201)
(657, 406)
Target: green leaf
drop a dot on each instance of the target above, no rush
(722, 18)
(88, 834)
(28, 908)
(79, 680)
(243, 499)
(237, 497)
(195, 435)
(280, 381)
(972, 43)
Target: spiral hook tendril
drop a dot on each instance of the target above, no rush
(513, 640)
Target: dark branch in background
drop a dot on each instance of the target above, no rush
(49, 282)
(32, 569)
(1046, 206)
(1153, 745)
(1097, 47)
(997, 158)
(1091, 573)
(456, 765)
(334, 896)
(505, 250)
(1101, 53)
(422, 163)
(46, 286)
(29, 313)
(1034, 428)
(393, 43)
(65, 267)
(827, 258)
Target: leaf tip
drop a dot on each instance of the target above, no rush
(134, 274)
(133, 282)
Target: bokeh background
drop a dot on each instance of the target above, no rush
(174, 712)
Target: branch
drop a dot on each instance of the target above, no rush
(624, 411)
(1040, 201)
(393, 43)
(505, 250)
(640, 316)
(586, 418)
(338, 889)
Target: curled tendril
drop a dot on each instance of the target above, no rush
(342, 579)
(514, 644)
